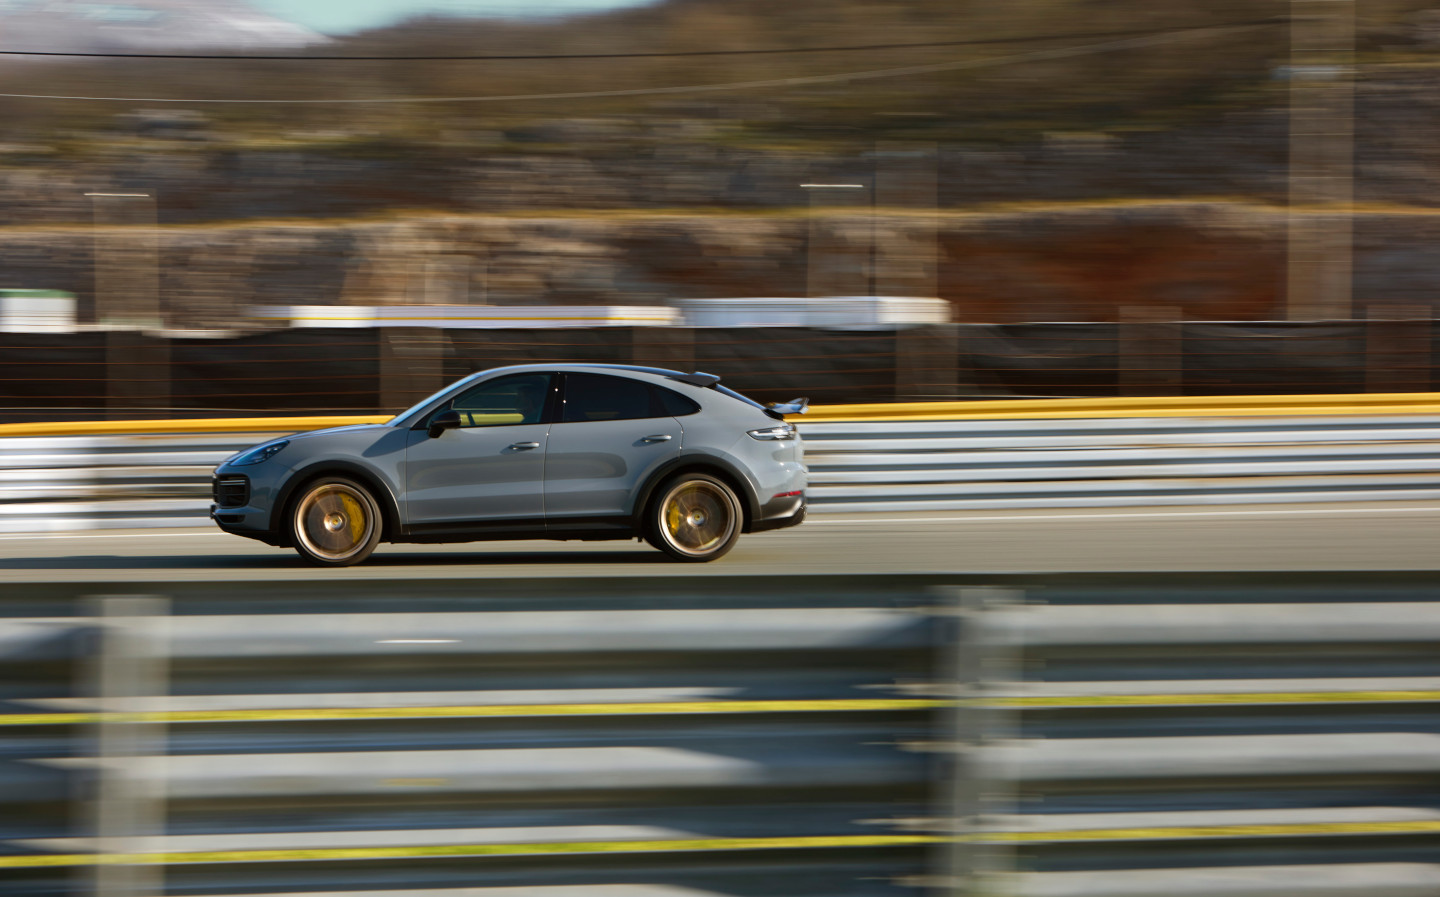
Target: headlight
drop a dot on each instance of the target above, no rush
(259, 455)
(784, 431)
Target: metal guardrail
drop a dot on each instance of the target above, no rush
(55, 483)
(1143, 734)
(955, 465)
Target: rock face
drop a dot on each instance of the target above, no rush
(1077, 227)
(1209, 261)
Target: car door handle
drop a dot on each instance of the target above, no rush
(524, 445)
(658, 437)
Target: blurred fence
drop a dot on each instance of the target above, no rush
(1209, 734)
(79, 482)
(131, 375)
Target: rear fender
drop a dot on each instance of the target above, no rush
(749, 498)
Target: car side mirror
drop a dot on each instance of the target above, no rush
(445, 420)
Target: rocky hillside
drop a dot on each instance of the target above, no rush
(1067, 188)
(1211, 261)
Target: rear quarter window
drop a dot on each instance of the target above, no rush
(674, 404)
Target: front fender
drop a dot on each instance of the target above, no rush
(383, 491)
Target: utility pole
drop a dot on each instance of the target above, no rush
(127, 303)
(1322, 159)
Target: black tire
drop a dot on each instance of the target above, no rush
(334, 522)
(694, 517)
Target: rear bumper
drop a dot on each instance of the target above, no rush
(779, 513)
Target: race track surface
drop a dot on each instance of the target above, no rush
(1400, 536)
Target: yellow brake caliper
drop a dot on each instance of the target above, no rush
(355, 516)
(672, 516)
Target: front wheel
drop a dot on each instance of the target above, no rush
(694, 517)
(334, 522)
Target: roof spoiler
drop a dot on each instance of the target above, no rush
(699, 378)
(794, 406)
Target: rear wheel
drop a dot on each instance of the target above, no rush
(334, 522)
(694, 517)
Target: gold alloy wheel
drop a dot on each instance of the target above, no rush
(698, 517)
(335, 522)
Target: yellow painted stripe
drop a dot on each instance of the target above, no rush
(670, 708)
(659, 708)
(471, 850)
(1302, 697)
(212, 425)
(1179, 406)
(1301, 829)
(1006, 409)
(426, 319)
(1288, 829)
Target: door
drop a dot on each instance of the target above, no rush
(610, 434)
(491, 468)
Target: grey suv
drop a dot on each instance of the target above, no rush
(530, 452)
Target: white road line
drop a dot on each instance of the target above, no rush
(91, 534)
(1136, 515)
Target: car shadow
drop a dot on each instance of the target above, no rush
(497, 558)
(286, 560)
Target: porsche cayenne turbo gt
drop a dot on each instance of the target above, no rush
(529, 452)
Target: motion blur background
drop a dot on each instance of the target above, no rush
(1110, 167)
(1000, 657)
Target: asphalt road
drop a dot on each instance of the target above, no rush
(1399, 536)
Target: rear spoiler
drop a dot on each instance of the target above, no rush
(794, 406)
(776, 410)
(699, 378)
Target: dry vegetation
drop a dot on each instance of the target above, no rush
(1122, 88)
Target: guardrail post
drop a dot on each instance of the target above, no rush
(129, 673)
(982, 664)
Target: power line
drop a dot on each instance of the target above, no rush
(854, 48)
(1154, 39)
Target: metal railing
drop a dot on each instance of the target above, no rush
(808, 735)
(50, 483)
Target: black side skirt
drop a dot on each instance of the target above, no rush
(584, 528)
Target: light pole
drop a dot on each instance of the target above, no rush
(127, 267)
(127, 302)
(822, 278)
(1322, 160)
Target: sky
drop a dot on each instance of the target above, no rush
(341, 16)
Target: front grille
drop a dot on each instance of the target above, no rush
(231, 491)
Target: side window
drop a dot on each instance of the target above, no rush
(673, 403)
(596, 397)
(517, 399)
